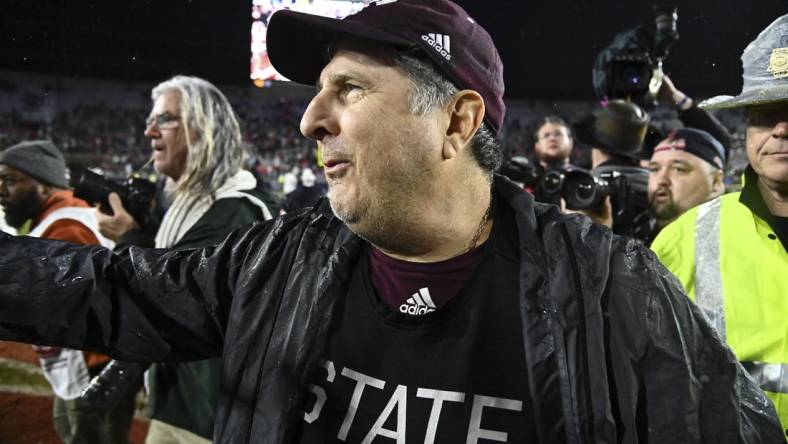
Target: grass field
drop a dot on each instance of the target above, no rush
(26, 400)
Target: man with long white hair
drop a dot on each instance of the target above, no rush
(196, 141)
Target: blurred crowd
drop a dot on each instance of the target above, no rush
(104, 131)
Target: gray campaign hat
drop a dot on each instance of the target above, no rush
(765, 65)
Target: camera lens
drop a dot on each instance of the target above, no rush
(552, 182)
(632, 75)
(584, 191)
(581, 191)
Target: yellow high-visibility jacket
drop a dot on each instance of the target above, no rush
(734, 267)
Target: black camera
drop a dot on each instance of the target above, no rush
(136, 194)
(520, 169)
(579, 188)
(627, 187)
(631, 66)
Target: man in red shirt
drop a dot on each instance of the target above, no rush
(34, 186)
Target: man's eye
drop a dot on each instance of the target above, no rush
(348, 88)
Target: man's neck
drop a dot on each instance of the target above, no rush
(443, 232)
(553, 165)
(775, 196)
(662, 223)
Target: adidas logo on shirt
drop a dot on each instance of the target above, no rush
(418, 304)
(441, 43)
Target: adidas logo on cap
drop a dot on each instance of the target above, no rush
(440, 42)
(419, 304)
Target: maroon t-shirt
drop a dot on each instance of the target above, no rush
(419, 288)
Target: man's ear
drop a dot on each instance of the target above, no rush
(718, 183)
(466, 112)
(44, 190)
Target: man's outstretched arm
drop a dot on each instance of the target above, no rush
(148, 305)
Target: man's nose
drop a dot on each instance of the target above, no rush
(662, 176)
(152, 131)
(319, 119)
(781, 129)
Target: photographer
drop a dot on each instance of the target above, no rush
(196, 141)
(614, 192)
(553, 143)
(33, 186)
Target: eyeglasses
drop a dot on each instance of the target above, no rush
(557, 134)
(164, 120)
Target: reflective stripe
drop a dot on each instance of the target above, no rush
(708, 278)
(771, 377)
(85, 216)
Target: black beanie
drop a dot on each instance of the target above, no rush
(39, 159)
(696, 142)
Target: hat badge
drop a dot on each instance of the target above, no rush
(778, 63)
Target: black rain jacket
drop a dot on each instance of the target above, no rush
(615, 351)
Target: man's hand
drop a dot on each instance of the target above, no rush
(671, 96)
(603, 217)
(115, 226)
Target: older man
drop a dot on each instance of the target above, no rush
(685, 171)
(427, 301)
(196, 142)
(731, 253)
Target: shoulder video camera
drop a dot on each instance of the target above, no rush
(631, 66)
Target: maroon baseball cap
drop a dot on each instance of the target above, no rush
(298, 44)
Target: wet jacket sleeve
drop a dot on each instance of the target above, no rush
(144, 305)
(687, 386)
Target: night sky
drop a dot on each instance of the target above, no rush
(547, 47)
